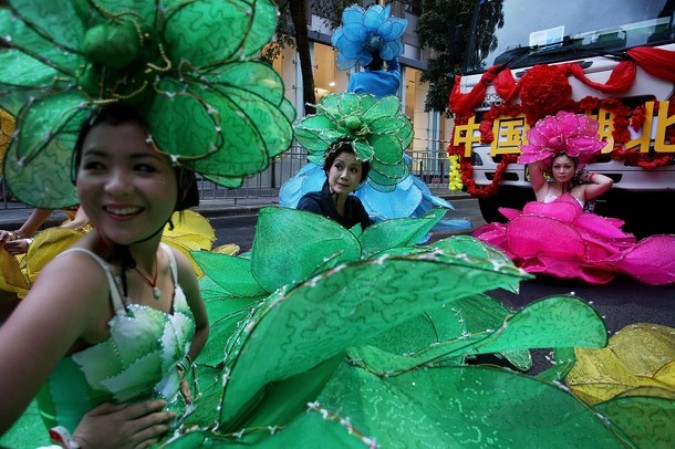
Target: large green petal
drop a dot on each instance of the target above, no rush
(464, 407)
(254, 132)
(647, 422)
(473, 247)
(535, 327)
(19, 69)
(363, 149)
(37, 165)
(181, 123)
(246, 128)
(399, 232)
(232, 274)
(59, 20)
(224, 313)
(546, 324)
(342, 307)
(340, 105)
(389, 125)
(387, 147)
(406, 134)
(388, 106)
(288, 109)
(289, 245)
(254, 77)
(385, 175)
(240, 29)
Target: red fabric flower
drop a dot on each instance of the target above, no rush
(638, 119)
(544, 90)
(588, 103)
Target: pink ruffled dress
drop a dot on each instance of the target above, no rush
(559, 239)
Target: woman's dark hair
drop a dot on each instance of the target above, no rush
(344, 147)
(574, 159)
(117, 114)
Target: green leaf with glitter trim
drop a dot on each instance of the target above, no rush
(289, 245)
(397, 233)
(414, 283)
(238, 282)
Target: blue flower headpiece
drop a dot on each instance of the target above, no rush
(364, 32)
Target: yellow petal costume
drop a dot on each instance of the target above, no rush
(191, 232)
(639, 360)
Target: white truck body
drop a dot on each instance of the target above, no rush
(639, 194)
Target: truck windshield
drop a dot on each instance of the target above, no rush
(522, 33)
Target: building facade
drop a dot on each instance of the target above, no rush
(431, 128)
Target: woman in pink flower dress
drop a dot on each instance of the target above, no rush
(558, 235)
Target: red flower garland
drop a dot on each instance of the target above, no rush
(623, 117)
(545, 90)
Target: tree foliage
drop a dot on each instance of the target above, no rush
(443, 27)
(292, 32)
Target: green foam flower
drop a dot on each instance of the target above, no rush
(377, 129)
(190, 67)
(330, 337)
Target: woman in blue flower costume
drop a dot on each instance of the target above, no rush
(345, 173)
(371, 37)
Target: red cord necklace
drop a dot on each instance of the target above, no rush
(156, 292)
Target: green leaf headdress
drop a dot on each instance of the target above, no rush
(377, 129)
(189, 66)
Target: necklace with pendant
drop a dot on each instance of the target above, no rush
(156, 292)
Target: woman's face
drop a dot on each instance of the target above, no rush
(563, 168)
(345, 173)
(127, 189)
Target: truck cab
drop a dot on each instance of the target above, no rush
(611, 60)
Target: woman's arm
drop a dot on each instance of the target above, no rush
(122, 426)
(29, 227)
(44, 326)
(594, 185)
(55, 314)
(310, 203)
(537, 178)
(78, 222)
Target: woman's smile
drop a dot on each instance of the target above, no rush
(133, 185)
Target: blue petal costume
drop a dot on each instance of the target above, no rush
(377, 82)
(362, 34)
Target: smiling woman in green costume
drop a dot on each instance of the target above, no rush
(111, 325)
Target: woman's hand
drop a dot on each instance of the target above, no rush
(586, 177)
(8, 236)
(18, 246)
(123, 426)
(544, 167)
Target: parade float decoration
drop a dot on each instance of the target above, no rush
(544, 90)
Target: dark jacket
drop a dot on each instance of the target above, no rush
(321, 203)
